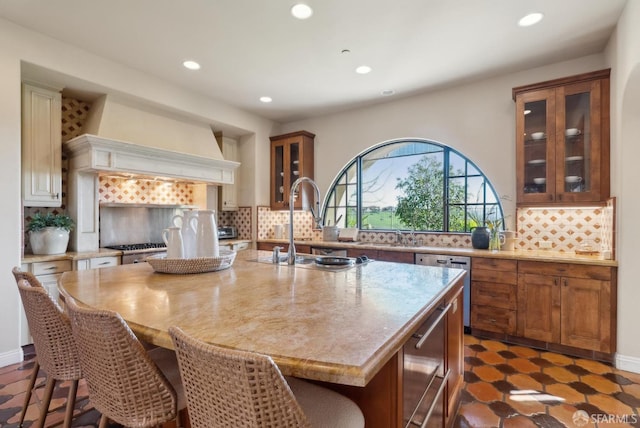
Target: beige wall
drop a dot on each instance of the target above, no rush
(624, 52)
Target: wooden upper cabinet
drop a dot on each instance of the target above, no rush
(291, 158)
(562, 140)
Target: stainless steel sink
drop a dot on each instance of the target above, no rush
(313, 262)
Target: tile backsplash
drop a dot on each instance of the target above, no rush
(565, 228)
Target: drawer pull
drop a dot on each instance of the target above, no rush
(423, 337)
(50, 268)
(105, 263)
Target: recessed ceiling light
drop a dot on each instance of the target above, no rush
(530, 19)
(191, 65)
(387, 92)
(265, 99)
(301, 11)
(363, 69)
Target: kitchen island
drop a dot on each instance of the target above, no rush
(346, 328)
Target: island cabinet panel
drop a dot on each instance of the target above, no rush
(494, 295)
(568, 305)
(454, 359)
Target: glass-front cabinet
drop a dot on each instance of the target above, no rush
(291, 158)
(562, 140)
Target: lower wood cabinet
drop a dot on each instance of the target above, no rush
(269, 246)
(493, 295)
(568, 304)
(454, 358)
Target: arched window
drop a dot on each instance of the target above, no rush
(411, 185)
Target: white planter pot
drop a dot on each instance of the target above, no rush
(50, 240)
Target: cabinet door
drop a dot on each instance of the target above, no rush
(539, 307)
(291, 158)
(535, 146)
(229, 192)
(578, 133)
(586, 314)
(455, 356)
(41, 147)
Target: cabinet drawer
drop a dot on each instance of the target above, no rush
(495, 295)
(494, 276)
(570, 270)
(396, 256)
(494, 264)
(46, 268)
(100, 262)
(493, 319)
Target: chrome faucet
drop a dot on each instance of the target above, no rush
(291, 253)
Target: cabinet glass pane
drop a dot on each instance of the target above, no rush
(535, 147)
(294, 158)
(279, 174)
(577, 141)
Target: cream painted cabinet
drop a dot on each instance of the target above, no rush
(48, 273)
(229, 192)
(97, 262)
(41, 147)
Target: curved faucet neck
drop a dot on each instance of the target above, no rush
(291, 253)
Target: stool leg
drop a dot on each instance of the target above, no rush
(103, 422)
(46, 400)
(27, 398)
(71, 404)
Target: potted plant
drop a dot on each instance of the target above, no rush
(49, 233)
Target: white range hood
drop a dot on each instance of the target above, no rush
(90, 153)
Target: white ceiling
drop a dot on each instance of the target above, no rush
(251, 48)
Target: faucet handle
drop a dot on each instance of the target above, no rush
(276, 254)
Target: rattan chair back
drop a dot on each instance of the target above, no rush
(51, 331)
(28, 276)
(124, 383)
(230, 388)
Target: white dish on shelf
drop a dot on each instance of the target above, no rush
(538, 135)
(296, 173)
(574, 158)
(536, 161)
(540, 180)
(572, 132)
(572, 179)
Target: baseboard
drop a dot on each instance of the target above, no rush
(11, 357)
(630, 364)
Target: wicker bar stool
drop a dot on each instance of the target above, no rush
(231, 388)
(127, 384)
(56, 350)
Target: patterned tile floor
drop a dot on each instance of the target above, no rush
(506, 386)
(514, 386)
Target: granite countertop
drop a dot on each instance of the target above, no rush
(339, 327)
(539, 255)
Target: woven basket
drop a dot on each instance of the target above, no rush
(161, 263)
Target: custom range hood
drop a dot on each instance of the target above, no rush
(132, 141)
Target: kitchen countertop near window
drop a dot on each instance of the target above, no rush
(540, 255)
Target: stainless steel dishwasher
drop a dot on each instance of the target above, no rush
(459, 262)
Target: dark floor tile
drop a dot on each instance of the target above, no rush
(477, 347)
(543, 378)
(577, 370)
(473, 361)
(546, 421)
(502, 409)
(582, 388)
(541, 362)
(589, 408)
(616, 378)
(506, 369)
(465, 397)
(471, 377)
(507, 354)
(504, 386)
(627, 399)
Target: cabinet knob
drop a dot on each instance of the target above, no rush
(550, 197)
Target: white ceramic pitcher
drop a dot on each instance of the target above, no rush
(207, 235)
(188, 223)
(173, 240)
